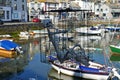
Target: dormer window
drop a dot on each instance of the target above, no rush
(97, 9)
(23, 7)
(15, 6)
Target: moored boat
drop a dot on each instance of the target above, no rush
(94, 71)
(76, 63)
(7, 53)
(115, 57)
(9, 49)
(115, 49)
(91, 30)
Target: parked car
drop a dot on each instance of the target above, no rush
(1, 22)
(36, 20)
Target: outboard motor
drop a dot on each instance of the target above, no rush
(18, 49)
(114, 75)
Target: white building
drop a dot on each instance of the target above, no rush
(84, 4)
(103, 11)
(35, 8)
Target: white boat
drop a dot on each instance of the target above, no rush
(76, 63)
(24, 35)
(94, 71)
(67, 36)
(91, 30)
(87, 38)
(43, 31)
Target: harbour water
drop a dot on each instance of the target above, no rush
(32, 65)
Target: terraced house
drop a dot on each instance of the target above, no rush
(37, 7)
(13, 10)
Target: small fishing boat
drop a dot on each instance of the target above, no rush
(7, 53)
(9, 49)
(24, 35)
(115, 49)
(76, 63)
(91, 30)
(94, 71)
(115, 57)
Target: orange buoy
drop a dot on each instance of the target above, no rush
(118, 36)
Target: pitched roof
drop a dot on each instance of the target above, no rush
(74, 5)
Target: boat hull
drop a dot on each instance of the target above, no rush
(87, 31)
(115, 57)
(115, 49)
(7, 53)
(77, 73)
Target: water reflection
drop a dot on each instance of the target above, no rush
(53, 75)
(12, 66)
(37, 67)
(32, 65)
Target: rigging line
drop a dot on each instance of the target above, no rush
(113, 34)
(105, 54)
(86, 23)
(40, 44)
(66, 36)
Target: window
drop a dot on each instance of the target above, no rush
(106, 9)
(97, 15)
(2, 14)
(15, 0)
(23, 7)
(118, 1)
(15, 6)
(32, 4)
(22, 0)
(15, 15)
(104, 14)
(97, 9)
(7, 14)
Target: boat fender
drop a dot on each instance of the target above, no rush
(110, 76)
(116, 74)
(18, 50)
(59, 71)
(118, 36)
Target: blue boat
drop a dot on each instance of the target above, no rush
(112, 28)
(10, 45)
